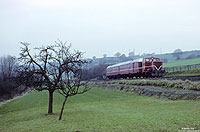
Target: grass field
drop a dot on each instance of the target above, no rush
(99, 110)
(182, 62)
(193, 72)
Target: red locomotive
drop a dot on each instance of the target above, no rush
(144, 67)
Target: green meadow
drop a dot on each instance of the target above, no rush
(183, 62)
(99, 110)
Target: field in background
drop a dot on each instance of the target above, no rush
(184, 73)
(99, 110)
(182, 63)
(183, 56)
(190, 67)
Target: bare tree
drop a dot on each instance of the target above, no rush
(73, 85)
(131, 53)
(104, 55)
(177, 53)
(118, 54)
(7, 66)
(47, 69)
(8, 81)
(95, 72)
(94, 57)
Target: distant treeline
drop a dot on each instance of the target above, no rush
(9, 84)
(95, 72)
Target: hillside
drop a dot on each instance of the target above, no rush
(183, 56)
(183, 62)
(99, 110)
(166, 58)
(190, 67)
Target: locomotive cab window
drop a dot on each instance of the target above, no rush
(156, 59)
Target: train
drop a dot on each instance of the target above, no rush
(143, 67)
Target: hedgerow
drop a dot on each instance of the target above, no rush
(178, 84)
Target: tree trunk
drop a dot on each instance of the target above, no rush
(50, 110)
(61, 112)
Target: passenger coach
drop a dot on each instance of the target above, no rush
(144, 67)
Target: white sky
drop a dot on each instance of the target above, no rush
(101, 26)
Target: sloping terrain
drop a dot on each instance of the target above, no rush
(183, 62)
(99, 110)
(168, 89)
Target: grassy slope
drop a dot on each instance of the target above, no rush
(183, 62)
(99, 110)
(194, 72)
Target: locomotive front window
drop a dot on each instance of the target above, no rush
(156, 59)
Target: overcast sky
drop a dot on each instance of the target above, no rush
(100, 27)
